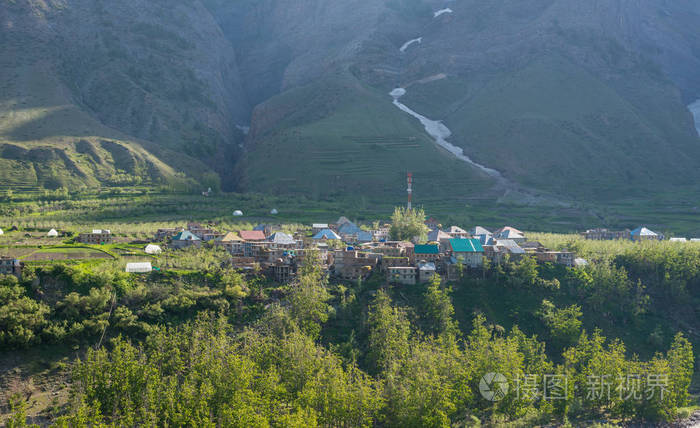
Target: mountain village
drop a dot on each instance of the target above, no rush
(351, 252)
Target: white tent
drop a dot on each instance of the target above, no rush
(238, 213)
(52, 233)
(152, 249)
(274, 211)
(144, 267)
(1, 232)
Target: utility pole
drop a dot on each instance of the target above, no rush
(409, 178)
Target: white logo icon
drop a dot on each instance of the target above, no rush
(493, 386)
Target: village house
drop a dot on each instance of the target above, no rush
(510, 233)
(282, 240)
(510, 247)
(605, 234)
(480, 233)
(252, 235)
(185, 239)
(267, 229)
(341, 221)
(457, 232)
(467, 251)
(565, 258)
(203, 233)
(426, 253)
(426, 271)
(233, 243)
(282, 267)
(163, 234)
(531, 246)
(408, 248)
(253, 242)
(97, 237)
(317, 227)
(326, 235)
(10, 266)
(352, 265)
(494, 253)
(644, 234)
(389, 262)
(405, 275)
(440, 237)
(382, 233)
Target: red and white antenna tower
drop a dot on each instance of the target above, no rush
(410, 189)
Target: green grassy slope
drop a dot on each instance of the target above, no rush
(552, 125)
(47, 141)
(340, 138)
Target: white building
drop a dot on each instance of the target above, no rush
(52, 233)
(144, 267)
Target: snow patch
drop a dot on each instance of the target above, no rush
(442, 12)
(695, 110)
(244, 129)
(398, 93)
(440, 133)
(409, 43)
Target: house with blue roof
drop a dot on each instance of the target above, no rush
(326, 235)
(281, 240)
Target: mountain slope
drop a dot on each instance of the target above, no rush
(157, 77)
(566, 98)
(578, 99)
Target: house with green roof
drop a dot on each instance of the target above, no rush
(185, 239)
(426, 252)
(468, 252)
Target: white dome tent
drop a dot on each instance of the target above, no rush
(238, 213)
(52, 233)
(152, 249)
(274, 211)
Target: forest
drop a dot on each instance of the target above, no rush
(201, 344)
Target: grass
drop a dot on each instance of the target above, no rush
(360, 147)
(577, 135)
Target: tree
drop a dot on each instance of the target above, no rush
(21, 317)
(438, 310)
(389, 331)
(681, 360)
(408, 224)
(564, 324)
(308, 299)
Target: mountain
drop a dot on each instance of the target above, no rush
(96, 93)
(538, 98)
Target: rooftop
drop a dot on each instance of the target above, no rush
(426, 249)
(466, 246)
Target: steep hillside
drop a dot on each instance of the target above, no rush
(561, 98)
(157, 77)
(577, 99)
